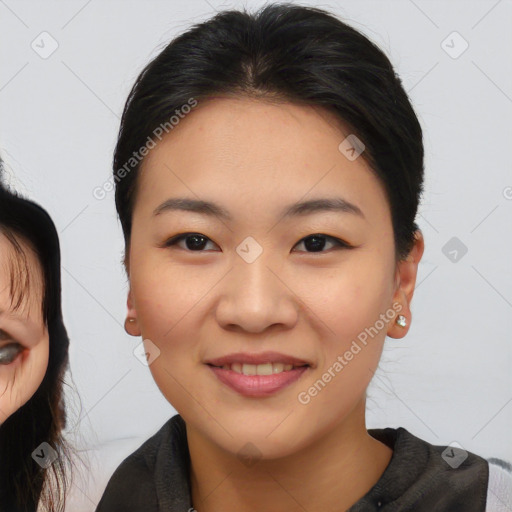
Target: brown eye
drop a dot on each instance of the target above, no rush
(194, 242)
(317, 242)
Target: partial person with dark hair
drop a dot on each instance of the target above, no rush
(268, 173)
(34, 457)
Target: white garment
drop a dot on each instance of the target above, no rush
(499, 489)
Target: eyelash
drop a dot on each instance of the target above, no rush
(178, 238)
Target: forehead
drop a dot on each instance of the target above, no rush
(251, 150)
(21, 283)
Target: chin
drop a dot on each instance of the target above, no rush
(255, 434)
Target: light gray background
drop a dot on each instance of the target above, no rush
(448, 380)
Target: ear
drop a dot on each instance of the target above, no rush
(131, 325)
(405, 281)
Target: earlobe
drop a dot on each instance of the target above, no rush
(405, 282)
(131, 325)
(399, 326)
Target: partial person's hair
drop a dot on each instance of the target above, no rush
(282, 53)
(24, 484)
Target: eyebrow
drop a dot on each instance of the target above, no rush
(302, 208)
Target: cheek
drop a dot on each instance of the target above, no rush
(167, 299)
(349, 302)
(164, 300)
(351, 298)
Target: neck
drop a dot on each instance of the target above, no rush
(330, 474)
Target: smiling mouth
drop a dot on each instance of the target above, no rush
(259, 369)
(258, 380)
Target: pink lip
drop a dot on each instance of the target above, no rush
(260, 358)
(257, 385)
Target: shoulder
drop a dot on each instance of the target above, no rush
(132, 485)
(471, 471)
(446, 477)
(499, 491)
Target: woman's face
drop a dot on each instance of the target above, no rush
(24, 340)
(259, 281)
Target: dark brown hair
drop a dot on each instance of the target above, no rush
(294, 54)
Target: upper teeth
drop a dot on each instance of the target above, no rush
(258, 369)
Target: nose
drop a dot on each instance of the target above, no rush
(255, 297)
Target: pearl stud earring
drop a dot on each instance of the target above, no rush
(401, 321)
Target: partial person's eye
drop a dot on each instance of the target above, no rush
(9, 351)
(193, 241)
(316, 243)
